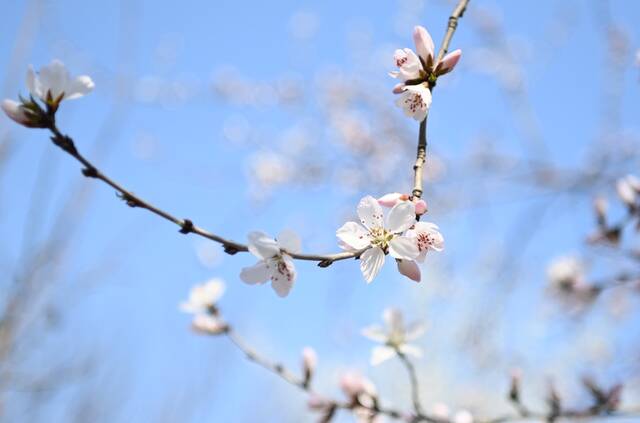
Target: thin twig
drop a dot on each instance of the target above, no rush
(421, 153)
(413, 378)
(186, 225)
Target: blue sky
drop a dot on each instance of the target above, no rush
(123, 314)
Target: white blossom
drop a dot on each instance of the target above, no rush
(566, 272)
(394, 337)
(204, 297)
(53, 83)
(415, 101)
(378, 236)
(628, 189)
(274, 263)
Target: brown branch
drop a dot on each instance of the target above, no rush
(421, 154)
(186, 225)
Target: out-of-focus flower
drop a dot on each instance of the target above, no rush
(274, 263)
(203, 298)
(356, 386)
(628, 189)
(566, 273)
(418, 72)
(309, 362)
(209, 324)
(394, 337)
(202, 302)
(377, 236)
(462, 416)
(52, 84)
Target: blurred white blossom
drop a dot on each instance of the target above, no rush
(395, 337)
(53, 83)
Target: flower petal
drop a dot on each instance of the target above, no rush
(290, 241)
(401, 217)
(394, 320)
(391, 199)
(370, 212)
(353, 236)
(410, 350)
(381, 353)
(258, 273)
(402, 247)
(262, 245)
(33, 84)
(375, 333)
(15, 111)
(53, 78)
(78, 87)
(424, 45)
(448, 62)
(371, 262)
(415, 101)
(408, 63)
(410, 269)
(283, 275)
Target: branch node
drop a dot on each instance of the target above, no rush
(90, 172)
(186, 226)
(128, 199)
(230, 249)
(325, 263)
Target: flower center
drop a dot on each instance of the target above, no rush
(380, 237)
(424, 241)
(415, 102)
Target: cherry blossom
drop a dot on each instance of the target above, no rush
(378, 236)
(274, 263)
(418, 73)
(53, 83)
(566, 273)
(427, 237)
(628, 189)
(394, 337)
(204, 297)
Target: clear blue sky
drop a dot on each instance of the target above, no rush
(148, 364)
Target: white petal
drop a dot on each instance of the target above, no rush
(414, 331)
(290, 241)
(424, 44)
(263, 246)
(371, 262)
(402, 247)
(258, 273)
(54, 77)
(401, 217)
(32, 83)
(353, 236)
(410, 269)
(381, 353)
(78, 87)
(213, 290)
(394, 320)
(375, 333)
(283, 275)
(410, 350)
(370, 213)
(15, 111)
(391, 199)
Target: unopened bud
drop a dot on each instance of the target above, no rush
(309, 362)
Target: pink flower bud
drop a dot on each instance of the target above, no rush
(18, 113)
(448, 62)
(424, 44)
(421, 207)
(316, 402)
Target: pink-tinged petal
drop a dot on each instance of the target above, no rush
(258, 273)
(290, 241)
(421, 207)
(428, 237)
(401, 217)
(448, 62)
(262, 245)
(370, 213)
(16, 112)
(415, 101)
(410, 269)
(353, 236)
(410, 350)
(405, 248)
(283, 275)
(375, 333)
(371, 262)
(398, 88)
(381, 354)
(390, 200)
(78, 87)
(424, 44)
(408, 64)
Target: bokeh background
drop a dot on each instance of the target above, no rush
(272, 115)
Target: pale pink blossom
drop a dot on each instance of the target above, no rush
(415, 101)
(628, 189)
(354, 385)
(209, 324)
(53, 83)
(427, 237)
(394, 337)
(274, 263)
(566, 273)
(408, 63)
(379, 237)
